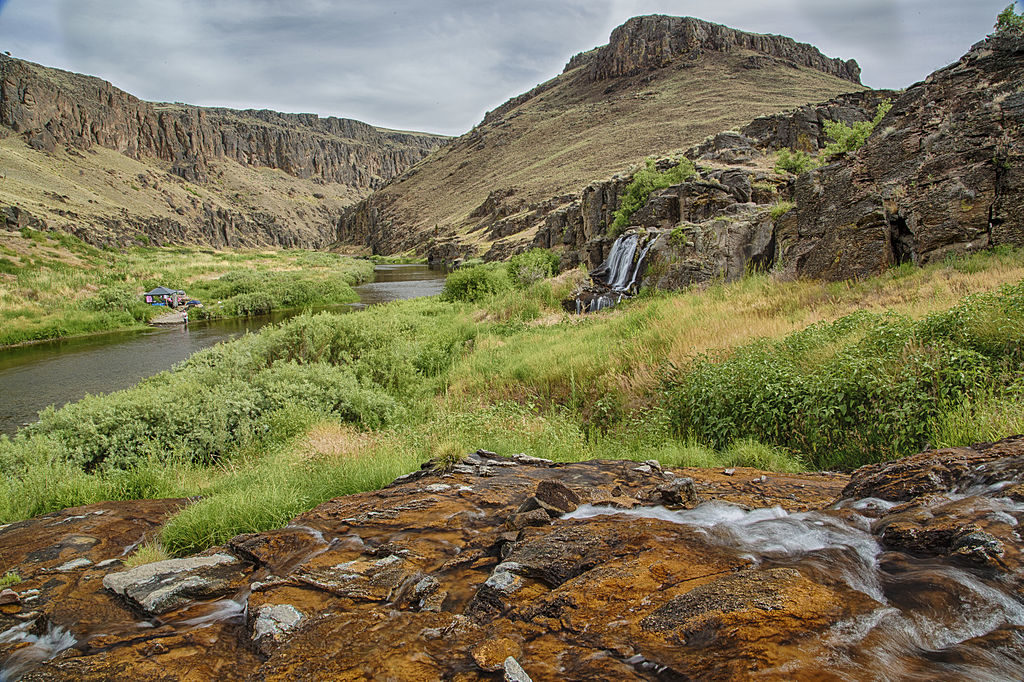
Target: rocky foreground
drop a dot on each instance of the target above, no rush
(518, 568)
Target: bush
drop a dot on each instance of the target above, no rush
(851, 138)
(1009, 23)
(781, 208)
(865, 388)
(795, 162)
(645, 181)
(474, 283)
(536, 264)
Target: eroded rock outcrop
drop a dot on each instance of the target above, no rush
(652, 42)
(942, 173)
(596, 570)
(51, 108)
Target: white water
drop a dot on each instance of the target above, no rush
(927, 611)
(41, 648)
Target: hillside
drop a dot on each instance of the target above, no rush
(80, 155)
(662, 84)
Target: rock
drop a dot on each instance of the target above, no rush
(768, 578)
(680, 492)
(652, 42)
(936, 471)
(556, 496)
(921, 188)
(164, 586)
(514, 672)
(492, 653)
(9, 596)
(531, 517)
(272, 624)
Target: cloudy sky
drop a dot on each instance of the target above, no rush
(434, 65)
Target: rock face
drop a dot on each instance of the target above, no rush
(651, 42)
(60, 112)
(905, 570)
(51, 108)
(942, 173)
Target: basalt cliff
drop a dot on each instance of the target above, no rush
(518, 568)
(661, 84)
(83, 156)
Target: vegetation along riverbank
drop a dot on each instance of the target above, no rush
(53, 285)
(781, 375)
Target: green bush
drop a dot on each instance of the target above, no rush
(364, 369)
(1009, 23)
(795, 162)
(644, 182)
(532, 266)
(865, 388)
(851, 138)
(476, 282)
(781, 208)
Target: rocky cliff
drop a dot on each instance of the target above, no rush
(520, 567)
(942, 173)
(57, 112)
(662, 84)
(643, 44)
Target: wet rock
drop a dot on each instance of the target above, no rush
(164, 586)
(9, 596)
(492, 653)
(272, 624)
(531, 517)
(939, 471)
(680, 492)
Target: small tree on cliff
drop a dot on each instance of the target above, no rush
(1009, 23)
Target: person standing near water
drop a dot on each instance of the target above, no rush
(184, 316)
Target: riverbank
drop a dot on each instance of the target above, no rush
(274, 423)
(53, 285)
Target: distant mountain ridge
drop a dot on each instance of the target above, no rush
(54, 110)
(661, 85)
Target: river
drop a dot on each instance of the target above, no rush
(61, 371)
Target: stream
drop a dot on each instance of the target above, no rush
(64, 370)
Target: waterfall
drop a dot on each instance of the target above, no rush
(618, 276)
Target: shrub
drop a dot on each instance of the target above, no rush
(474, 283)
(851, 138)
(781, 208)
(645, 181)
(536, 264)
(1009, 23)
(865, 388)
(795, 162)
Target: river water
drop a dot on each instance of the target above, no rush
(58, 372)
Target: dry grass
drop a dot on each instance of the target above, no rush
(93, 189)
(334, 440)
(624, 351)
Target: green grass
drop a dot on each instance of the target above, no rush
(781, 376)
(9, 578)
(60, 287)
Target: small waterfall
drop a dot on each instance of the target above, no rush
(618, 276)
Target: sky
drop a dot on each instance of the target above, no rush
(434, 65)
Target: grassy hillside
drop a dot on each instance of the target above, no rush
(571, 131)
(101, 194)
(53, 285)
(760, 372)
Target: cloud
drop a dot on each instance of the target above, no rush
(436, 65)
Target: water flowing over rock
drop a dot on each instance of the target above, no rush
(904, 570)
(619, 276)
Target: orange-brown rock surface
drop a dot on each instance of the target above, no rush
(524, 569)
